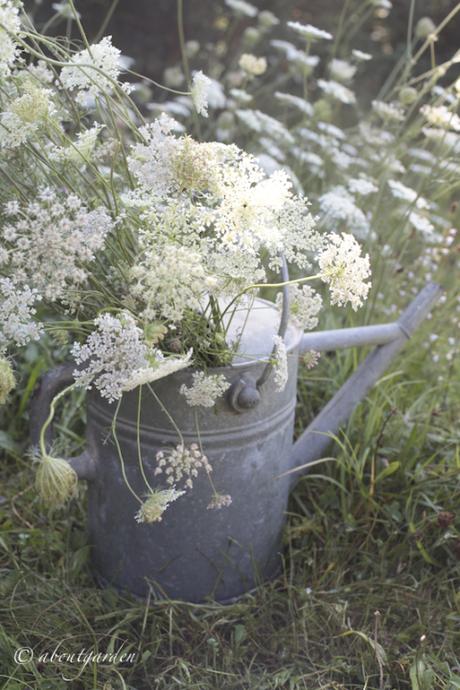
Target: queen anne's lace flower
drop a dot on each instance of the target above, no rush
(242, 7)
(252, 65)
(280, 363)
(360, 55)
(205, 389)
(300, 103)
(111, 354)
(92, 71)
(219, 501)
(441, 116)
(341, 70)
(162, 367)
(345, 270)
(17, 312)
(362, 186)
(52, 240)
(401, 191)
(156, 503)
(181, 464)
(26, 115)
(338, 91)
(304, 306)
(388, 111)
(9, 27)
(201, 85)
(311, 33)
(7, 380)
(340, 211)
(169, 279)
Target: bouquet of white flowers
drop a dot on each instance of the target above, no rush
(133, 239)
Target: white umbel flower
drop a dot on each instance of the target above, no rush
(242, 7)
(52, 240)
(388, 111)
(304, 306)
(401, 191)
(204, 390)
(156, 503)
(300, 103)
(9, 27)
(163, 366)
(360, 55)
(252, 65)
(181, 464)
(219, 501)
(311, 33)
(362, 186)
(92, 72)
(26, 116)
(338, 91)
(441, 116)
(280, 363)
(345, 270)
(110, 355)
(201, 85)
(341, 70)
(17, 312)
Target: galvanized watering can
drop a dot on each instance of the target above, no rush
(195, 553)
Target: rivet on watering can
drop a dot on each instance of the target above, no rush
(243, 395)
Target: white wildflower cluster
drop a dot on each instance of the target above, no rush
(219, 501)
(341, 70)
(51, 240)
(158, 368)
(337, 91)
(311, 33)
(81, 150)
(280, 363)
(362, 186)
(26, 115)
(115, 358)
(345, 270)
(299, 103)
(181, 464)
(17, 312)
(242, 7)
(110, 354)
(186, 189)
(405, 193)
(168, 280)
(205, 389)
(304, 306)
(298, 58)
(252, 65)
(201, 86)
(360, 55)
(440, 116)
(156, 503)
(9, 28)
(388, 111)
(340, 212)
(92, 72)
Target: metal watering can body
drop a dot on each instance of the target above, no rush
(195, 552)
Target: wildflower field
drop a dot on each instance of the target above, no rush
(314, 167)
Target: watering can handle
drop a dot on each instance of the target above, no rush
(245, 394)
(284, 321)
(50, 385)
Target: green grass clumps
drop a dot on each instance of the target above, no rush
(369, 596)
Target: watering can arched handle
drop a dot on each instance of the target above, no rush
(245, 394)
(52, 383)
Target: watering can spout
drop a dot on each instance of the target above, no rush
(390, 339)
